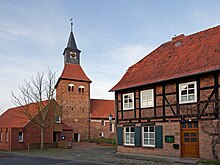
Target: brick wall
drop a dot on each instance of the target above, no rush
(75, 106)
(205, 142)
(169, 128)
(3, 144)
(96, 128)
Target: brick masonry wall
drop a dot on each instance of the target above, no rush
(205, 143)
(172, 128)
(68, 136)
(3, 144)
(96, 128)
(75, 106)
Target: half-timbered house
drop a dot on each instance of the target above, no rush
(163, 100)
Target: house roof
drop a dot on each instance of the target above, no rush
(16, 117)
(74, 72)
(102, 108)
(183, 56)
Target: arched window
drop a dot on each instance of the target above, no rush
(70, 88)
(81, 89)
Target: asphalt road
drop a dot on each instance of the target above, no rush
(10, 159)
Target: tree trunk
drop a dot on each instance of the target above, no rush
(42, 139)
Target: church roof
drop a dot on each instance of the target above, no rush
(74, 72)
(183, 56)
(16, 117)
(102, 108)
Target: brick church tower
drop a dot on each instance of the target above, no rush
(73, 92)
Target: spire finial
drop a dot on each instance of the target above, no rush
(71, 24)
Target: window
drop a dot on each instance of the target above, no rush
(111, 127)
(0, 135)
(58, 119)
(129, 136)
(81, 89)
(70, 88)
(128, 101)
(188, 92)
(103, 123)
(20, 136)
(148, 134)
(6, 136)
(147, 98)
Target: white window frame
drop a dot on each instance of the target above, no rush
(187, 95)
(82, 89)
(129, 133)
(130, 96)
(148, 103)
(59, 119)
(71, 87)
(22, 137)
(148, 138)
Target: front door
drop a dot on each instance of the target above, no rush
(190, 139)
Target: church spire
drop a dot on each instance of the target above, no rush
(71, 52)
(71, 42)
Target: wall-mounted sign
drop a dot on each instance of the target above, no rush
(169, 139)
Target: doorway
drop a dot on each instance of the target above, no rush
(76, 137)
(189, 139)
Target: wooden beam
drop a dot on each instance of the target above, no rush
(198, 97)
(177, 99)
(163, 103)
(169, 105)
(216, 95)
(206, 105)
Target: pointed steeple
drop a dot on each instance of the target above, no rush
(71, 42)
(71, 52)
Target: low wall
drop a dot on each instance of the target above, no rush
(32, 146)
(65, 145)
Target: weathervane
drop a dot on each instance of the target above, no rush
(71, 24)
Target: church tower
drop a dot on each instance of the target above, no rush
(73, 92)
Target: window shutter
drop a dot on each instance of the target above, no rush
(137, 131)
(159, 137)
(120, 137)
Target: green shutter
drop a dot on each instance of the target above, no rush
(120, 137)
(137, 131)
(159, 137)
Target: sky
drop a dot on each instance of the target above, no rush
(111, 34)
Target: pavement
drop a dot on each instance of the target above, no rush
(91, 153)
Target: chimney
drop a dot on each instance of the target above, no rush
(179, 37)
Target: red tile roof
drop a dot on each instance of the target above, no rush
(183, 56)
(74, 72)
(16, 118)
(102, 108)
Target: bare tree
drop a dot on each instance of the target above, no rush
(37, 90)
(212, 128)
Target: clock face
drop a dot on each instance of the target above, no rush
(73, 55)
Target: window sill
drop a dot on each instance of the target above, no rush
(152, 147)
(187, 102)
(129, 145)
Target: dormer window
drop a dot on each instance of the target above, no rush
(81, 89)
(70, 88)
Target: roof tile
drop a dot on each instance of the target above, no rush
(196, 53)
